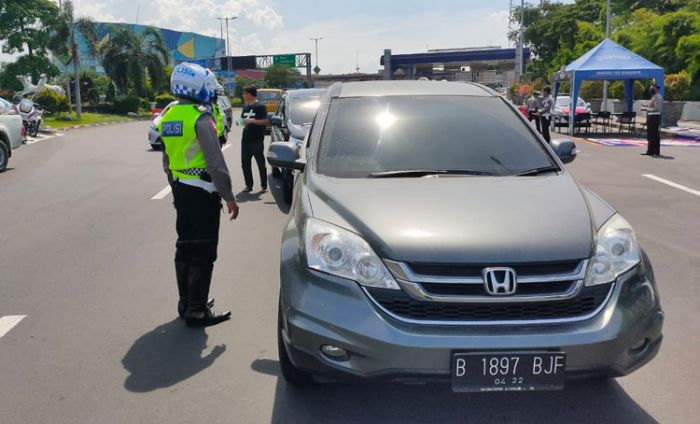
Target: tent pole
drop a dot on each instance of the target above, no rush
(607, 35)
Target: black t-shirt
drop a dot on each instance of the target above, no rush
(254, 133)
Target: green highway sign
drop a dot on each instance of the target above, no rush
(284, 59)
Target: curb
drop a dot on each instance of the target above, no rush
(50, 129)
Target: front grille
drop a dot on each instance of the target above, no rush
(474, 270)
(529, 289)
(402, 305)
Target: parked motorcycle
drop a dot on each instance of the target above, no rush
(32, 116)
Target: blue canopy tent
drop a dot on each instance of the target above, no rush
(607, 61)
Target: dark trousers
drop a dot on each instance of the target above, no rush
(255, 150)
(532, 116)
(653, 134)
(544, 122)
(198, 214)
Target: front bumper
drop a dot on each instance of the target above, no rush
(154, 138)
(319, 309)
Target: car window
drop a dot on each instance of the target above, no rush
(363, 136)
(302, 111)
(268, 96)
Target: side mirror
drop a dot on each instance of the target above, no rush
(284, 155)
(276, 121)
(565, 149)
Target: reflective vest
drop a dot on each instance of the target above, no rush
(177, 128)
(219, 118)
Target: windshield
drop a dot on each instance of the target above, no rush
(302, 111)
(370, 135)
(269, 96)
(564, 101)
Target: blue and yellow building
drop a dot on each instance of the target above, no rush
(183, 46)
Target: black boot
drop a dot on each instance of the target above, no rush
(182, 270)
(199, 313)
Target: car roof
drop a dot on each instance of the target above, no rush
(305, 93)
(409, 88)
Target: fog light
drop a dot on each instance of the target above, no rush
(639, 347)
(335, 353)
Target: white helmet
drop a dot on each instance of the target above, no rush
(212, 84)
(191, 81)
(26, 105)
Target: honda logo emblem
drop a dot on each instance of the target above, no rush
(500, 281)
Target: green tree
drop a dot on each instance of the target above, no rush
(243, 82)
(129, 57)
(280, 76)
(26, 26)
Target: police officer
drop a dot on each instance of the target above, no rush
(218, 113)
(199, 178)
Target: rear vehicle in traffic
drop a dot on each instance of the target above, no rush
(11, 133)
(290, 124)
(434, 235)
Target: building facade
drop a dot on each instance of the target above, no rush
(183, 46)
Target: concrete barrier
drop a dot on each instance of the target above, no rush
(691, 112)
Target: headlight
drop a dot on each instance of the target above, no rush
(617, 252)
(339, 252)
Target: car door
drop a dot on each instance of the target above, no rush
(278, 133)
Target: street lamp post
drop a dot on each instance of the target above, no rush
(607, 35)
(316, 40)
(228, 51)
(221, 30)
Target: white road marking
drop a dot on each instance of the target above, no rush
(42, 137)
(672, 184)
(163, 193)
(8, 322)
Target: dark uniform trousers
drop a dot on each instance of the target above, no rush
(532, 115)
(545, 121)
(653, 134)
(198, 214)
(249, 150)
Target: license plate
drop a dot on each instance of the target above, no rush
(508, 371)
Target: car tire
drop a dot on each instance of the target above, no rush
(288, 186)
(276, 172)
(291, 374)
(4, 155)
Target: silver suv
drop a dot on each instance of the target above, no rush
(435, 236)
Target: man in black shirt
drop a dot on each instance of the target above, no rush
(254, 120)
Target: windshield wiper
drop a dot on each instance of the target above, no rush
(538, 171)
(426, 172)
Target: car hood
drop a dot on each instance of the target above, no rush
(461, 219)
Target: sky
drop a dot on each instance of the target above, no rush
(355, 32)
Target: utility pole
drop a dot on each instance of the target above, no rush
(228, 48)
(519, 59)
(221, 29)
(357, 61)
(607, 35)
(316, 40)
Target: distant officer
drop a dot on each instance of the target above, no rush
(199, 178)
(533, 104)
(218, 113)
(545, 112)
(654, 109)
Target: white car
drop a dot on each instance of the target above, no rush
(10, 132)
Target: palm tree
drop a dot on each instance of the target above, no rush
(128, 57)
(65, 47)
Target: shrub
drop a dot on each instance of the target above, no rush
(236, 102)
(111, 93)
(7, 94)
(144, 104)
(163, 100)
(52, 101)
(126, 104)
(677, 86)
